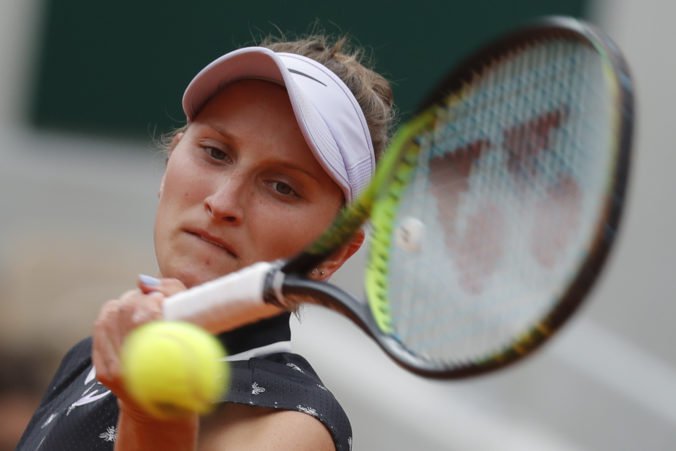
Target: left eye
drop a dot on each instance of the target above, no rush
(284, 189)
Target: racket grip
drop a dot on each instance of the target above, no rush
(224, 303)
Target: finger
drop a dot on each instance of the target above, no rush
(104, 347)
(112, 325)
(147, 284)
(127, 306)
(168, 287)
(149, 309)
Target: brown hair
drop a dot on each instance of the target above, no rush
(372, 90)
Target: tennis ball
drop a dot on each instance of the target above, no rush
(172, 368)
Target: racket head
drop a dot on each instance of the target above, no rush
(488, 243)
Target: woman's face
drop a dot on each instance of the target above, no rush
(241, 186)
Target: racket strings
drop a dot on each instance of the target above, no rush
(464, 284)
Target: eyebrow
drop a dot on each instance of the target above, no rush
(221, 131)
(292, 166)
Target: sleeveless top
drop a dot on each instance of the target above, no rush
(79, 413)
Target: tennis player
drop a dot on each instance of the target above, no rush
(277, 139)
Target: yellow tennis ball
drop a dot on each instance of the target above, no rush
(171, 368)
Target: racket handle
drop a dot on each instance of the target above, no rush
(224, 303)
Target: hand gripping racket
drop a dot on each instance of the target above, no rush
(492, 211)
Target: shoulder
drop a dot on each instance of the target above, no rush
(287, 386)
(237, 426)
(76, 409)
(76, 360)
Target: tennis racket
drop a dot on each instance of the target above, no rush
(492, 211)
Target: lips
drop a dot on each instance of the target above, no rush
(215, 241)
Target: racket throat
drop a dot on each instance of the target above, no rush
(272, 285)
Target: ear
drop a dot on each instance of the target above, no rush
(174, 141)
(172, 145)
(333, 264)
(159, 192)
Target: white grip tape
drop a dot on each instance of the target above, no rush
(225, 303)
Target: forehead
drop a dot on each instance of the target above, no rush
(248, 101)
(249, 92)
(257, 115)
(253, 107)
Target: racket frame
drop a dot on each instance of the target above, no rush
(279, 284)
(372, 320)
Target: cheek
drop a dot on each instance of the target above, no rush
(179, 193)
(180, 186)
(287, 232)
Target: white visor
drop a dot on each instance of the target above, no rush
(327, 112)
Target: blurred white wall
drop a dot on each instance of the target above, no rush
(76, 217)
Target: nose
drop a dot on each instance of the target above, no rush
(226, 202)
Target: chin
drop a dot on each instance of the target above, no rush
(192, 274)
(193, 268)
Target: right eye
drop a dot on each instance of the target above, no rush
(217, 154)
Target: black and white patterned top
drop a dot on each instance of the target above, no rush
(78, 413)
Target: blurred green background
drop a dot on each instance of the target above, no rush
(121, 67)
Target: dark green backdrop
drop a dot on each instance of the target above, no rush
(119, 67)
